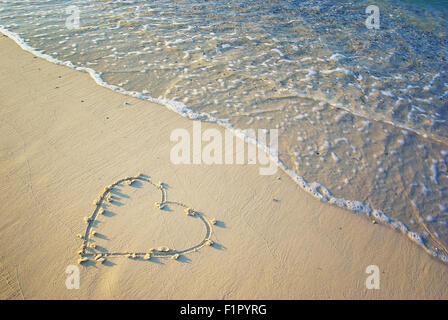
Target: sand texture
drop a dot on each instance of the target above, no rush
(64, 140)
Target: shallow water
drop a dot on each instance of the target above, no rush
(362, 112)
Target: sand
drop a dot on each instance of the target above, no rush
(64, 139)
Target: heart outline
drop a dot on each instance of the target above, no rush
(105, 199)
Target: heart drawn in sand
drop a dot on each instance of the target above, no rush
(90, 251)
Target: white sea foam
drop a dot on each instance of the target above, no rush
(317, 190)
(435, 174)
(337, 57)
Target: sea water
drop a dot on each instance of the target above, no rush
(361, 112)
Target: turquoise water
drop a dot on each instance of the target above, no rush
(362, 112)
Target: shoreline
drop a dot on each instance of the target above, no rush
(65, 138)
(318, 191)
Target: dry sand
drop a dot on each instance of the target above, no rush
(58, 153)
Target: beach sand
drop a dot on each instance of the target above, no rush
(64, 139)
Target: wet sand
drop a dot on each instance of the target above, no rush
(64, 139)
